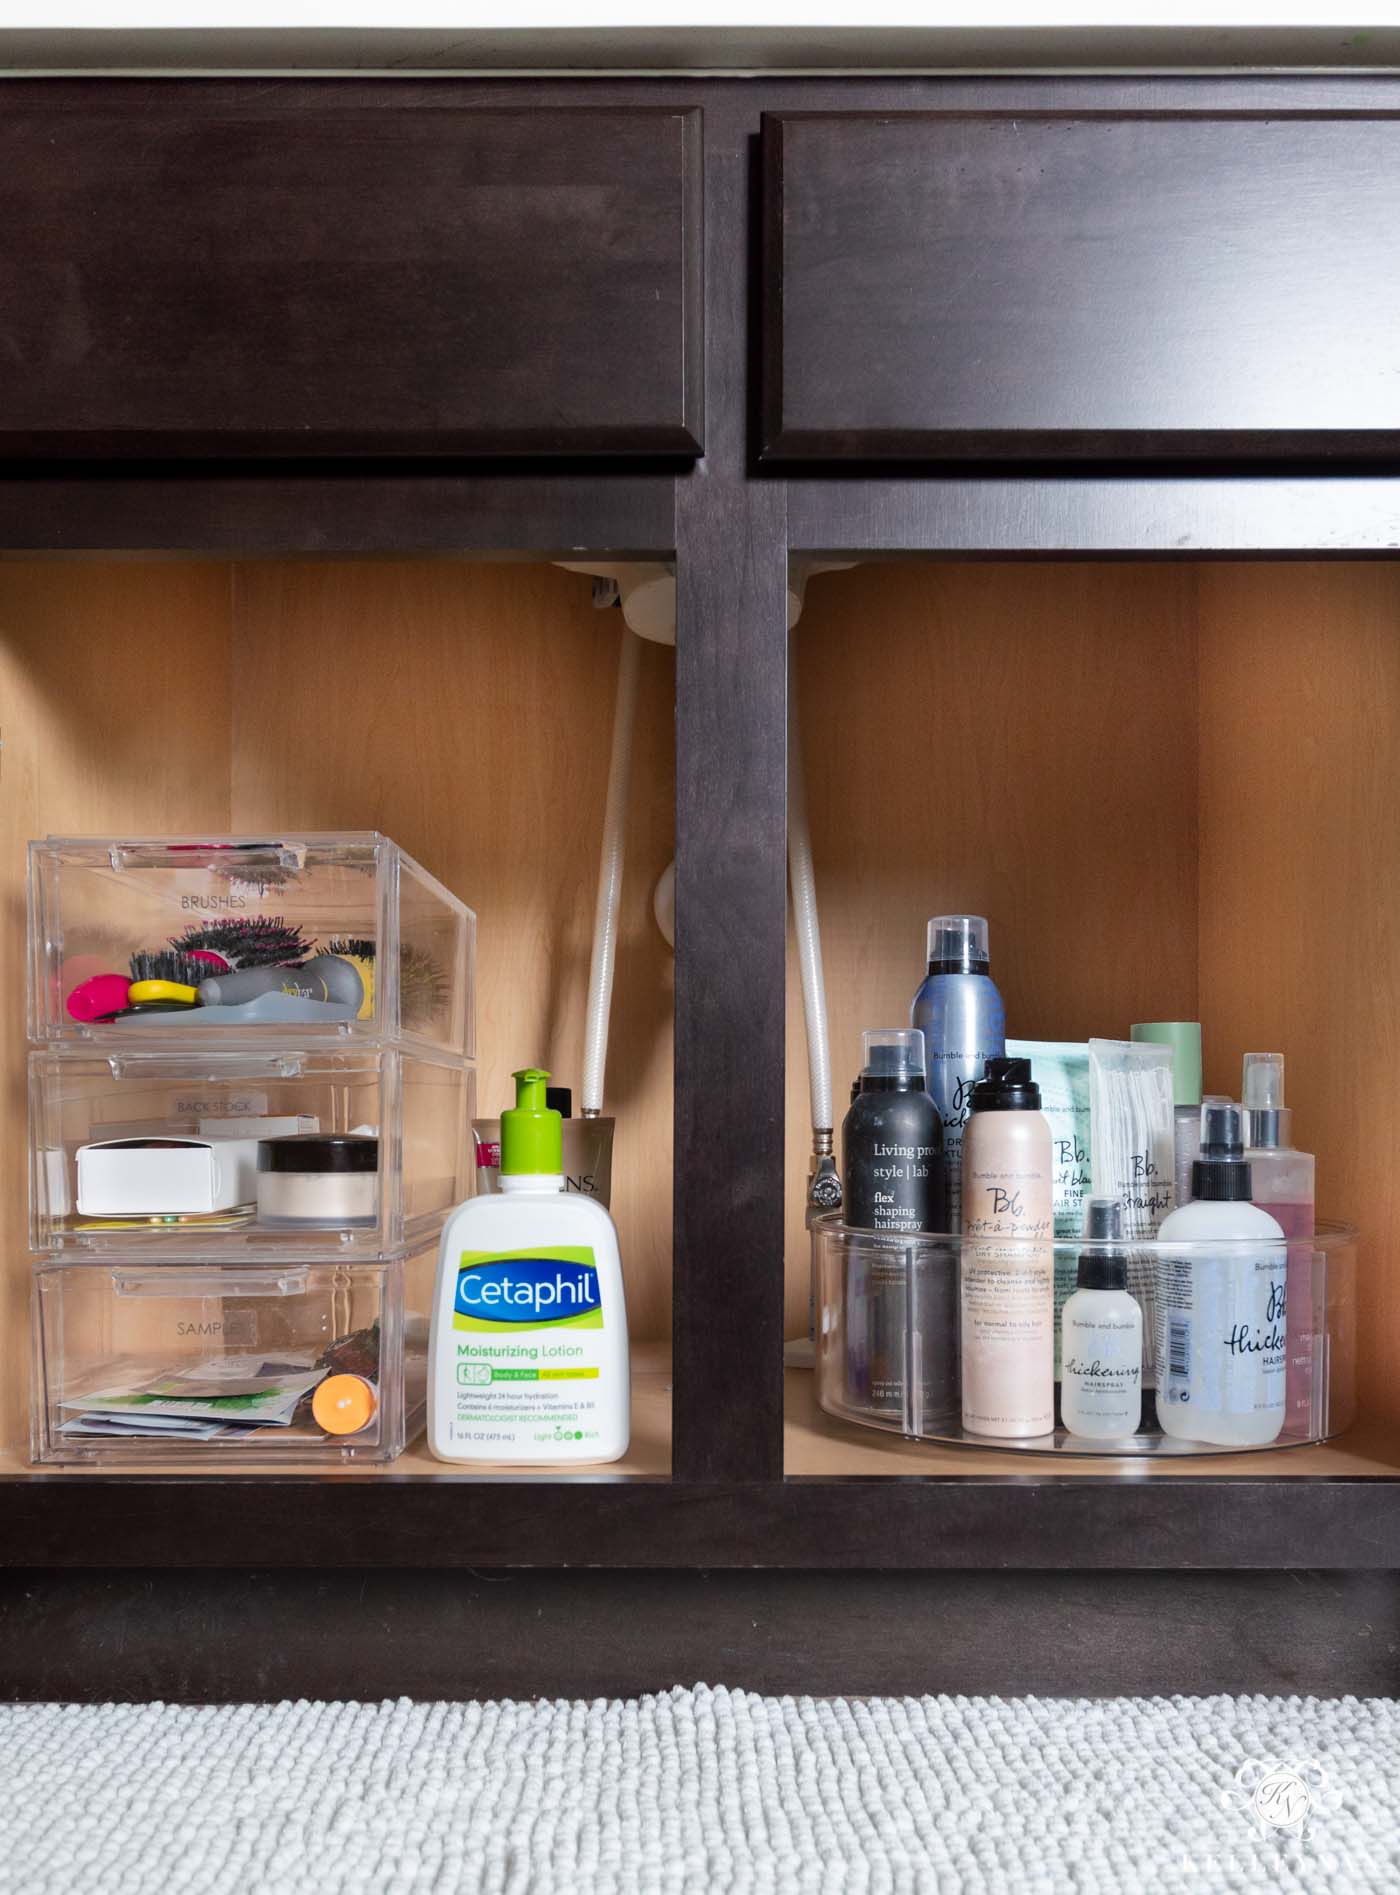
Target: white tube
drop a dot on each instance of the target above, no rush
(604, 963)
(804, 911)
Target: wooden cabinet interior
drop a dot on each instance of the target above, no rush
(1168, 785)
(463, 709)
(1171, 789)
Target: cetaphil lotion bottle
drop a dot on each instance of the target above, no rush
(528, 1360)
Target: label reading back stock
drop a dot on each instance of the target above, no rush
(529, 1346)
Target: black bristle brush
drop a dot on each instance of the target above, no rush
(164, 982)
(260, 941)
(422, 985)
(186, 970)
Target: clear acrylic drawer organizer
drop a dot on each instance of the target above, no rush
(105, 1327)
(887, 1337)
(96, 901)
(420, 1106)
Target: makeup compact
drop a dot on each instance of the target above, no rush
(318, 1181)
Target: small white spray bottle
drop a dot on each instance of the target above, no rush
(528, 1361)
(1101, 1351)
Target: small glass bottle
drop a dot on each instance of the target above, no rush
(1285, 1185)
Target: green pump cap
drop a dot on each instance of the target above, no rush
(532, 1137)
(1184, 1038)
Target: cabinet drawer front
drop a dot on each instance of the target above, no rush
(1010, 286)
(309, 279)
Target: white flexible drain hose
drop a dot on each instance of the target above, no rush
(604, 962)
(804, 910)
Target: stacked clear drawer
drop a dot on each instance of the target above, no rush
(234, 1198)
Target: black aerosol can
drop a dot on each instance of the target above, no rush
(896, 1185)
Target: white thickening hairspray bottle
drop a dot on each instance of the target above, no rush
(1221, 1301)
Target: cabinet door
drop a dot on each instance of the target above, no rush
(261, 270)
(997, 286)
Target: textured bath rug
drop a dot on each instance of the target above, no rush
(703, 1790)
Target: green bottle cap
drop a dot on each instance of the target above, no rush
(1184, 1038)
(532, 1137)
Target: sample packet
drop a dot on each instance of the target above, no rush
(244, 1389)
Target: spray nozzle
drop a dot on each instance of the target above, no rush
(1103, 1224)
(1103, 1220)
(1222, 1133)
(1006, 1085)
(1267, 1121)
(1220, 1175)
(894, 1053)
(1263, 1081)
(957, 944)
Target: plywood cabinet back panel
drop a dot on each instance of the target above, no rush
(114, 716)
(466, 711)
(1012, 741)
(1300, 906)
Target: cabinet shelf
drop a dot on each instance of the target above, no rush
(838, 1509)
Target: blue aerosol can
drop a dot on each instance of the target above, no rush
(960, 1014)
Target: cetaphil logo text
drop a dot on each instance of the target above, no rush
(541, 1288)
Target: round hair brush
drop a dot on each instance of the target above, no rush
(422, 985)
(260, 941)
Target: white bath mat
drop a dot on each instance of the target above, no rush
(703, 1790)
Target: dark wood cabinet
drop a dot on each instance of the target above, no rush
(241, 276)
(1024, 290)
(1093, 285)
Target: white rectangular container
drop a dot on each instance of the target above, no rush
(166, 1176)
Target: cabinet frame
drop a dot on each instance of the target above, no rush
(731, 526)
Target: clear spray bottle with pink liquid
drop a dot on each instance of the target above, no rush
(1285, 1186)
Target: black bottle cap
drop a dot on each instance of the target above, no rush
(559, 1099)
(1006, 1086)
(1103, 1269)
(957, 944)
(1220, 1175)
(319, 1151)
(894, 1060)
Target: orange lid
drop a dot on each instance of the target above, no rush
(343, 1404)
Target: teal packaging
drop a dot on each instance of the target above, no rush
(1061, 1069)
